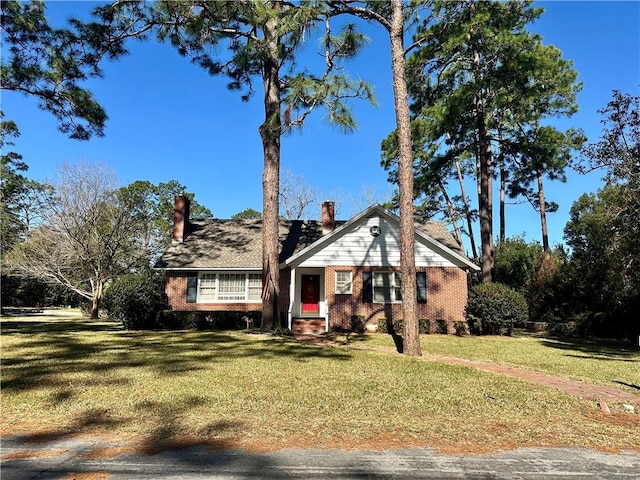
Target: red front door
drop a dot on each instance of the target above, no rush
(310, 294)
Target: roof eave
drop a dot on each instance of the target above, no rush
(302, 254)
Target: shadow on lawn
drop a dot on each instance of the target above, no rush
(167, 433)
(45, 351)
(596, 348)
(59, 358)
(637, 387)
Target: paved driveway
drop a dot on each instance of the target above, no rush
(73, 459)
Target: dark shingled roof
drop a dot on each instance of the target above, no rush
(238, 243)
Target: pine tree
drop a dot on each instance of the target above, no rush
(255, 42)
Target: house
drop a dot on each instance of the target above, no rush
(330, 271)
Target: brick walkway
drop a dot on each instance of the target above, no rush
(583, 390)
(586, 391)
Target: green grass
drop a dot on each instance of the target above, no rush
(63, 376)
(605, 362)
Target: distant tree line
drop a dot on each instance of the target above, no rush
(82, 233)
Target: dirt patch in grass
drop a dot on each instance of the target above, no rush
(87, 476)
(32, 454)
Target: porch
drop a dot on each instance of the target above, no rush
(308, 307)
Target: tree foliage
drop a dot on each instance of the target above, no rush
(21, 199)
(152, 208)
(50, 64)
(514, 261)
(603, 230)
(605, 287)
(86, 237)
(478, 82)
(248, 213)
(255, 42)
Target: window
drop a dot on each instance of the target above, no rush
(343, 282)
(207, 287)
(421, 287)
(229, 287)
(255, 287)
(387, 287)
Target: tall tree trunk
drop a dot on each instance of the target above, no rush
(467, 211)
(484, 200)
(95, 301)
(411, 343)
(543, 212)
(270, 133)
(503, 185)
(485, 207)
(484, 182)
(451, 212)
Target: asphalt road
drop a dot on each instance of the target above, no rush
(68, 459)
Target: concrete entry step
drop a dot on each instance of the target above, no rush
(308, 326)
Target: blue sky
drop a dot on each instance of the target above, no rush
(169, 120)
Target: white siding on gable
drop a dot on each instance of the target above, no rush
(358, 247)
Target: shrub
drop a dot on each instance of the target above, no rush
(424, 326)
(440, 326)
(461, 328)
(384, 325)
(357, 324)
(495, 308)
(203, 320)
(136, 300)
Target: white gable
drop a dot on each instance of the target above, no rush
(354, 244)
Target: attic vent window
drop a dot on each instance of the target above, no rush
(375, 231)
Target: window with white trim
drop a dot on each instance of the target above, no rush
(344, 282)
(229, 287)
(255, 287)
(387, 287)
(207, 287)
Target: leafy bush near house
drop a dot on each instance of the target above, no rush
(494, 308)
(461, 328)
(136, 300)
(384, 325)
(357, 324)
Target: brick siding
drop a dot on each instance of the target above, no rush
(176, 290)
(446, 298)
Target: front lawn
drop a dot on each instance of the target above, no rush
(65, 376)
(606, 362)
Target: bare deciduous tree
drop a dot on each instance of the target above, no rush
(86, 237)
(296, 195)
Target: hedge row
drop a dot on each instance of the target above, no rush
(172, 320)
(385, 325)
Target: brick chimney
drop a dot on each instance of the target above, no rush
(181, 218)
(328, 217)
